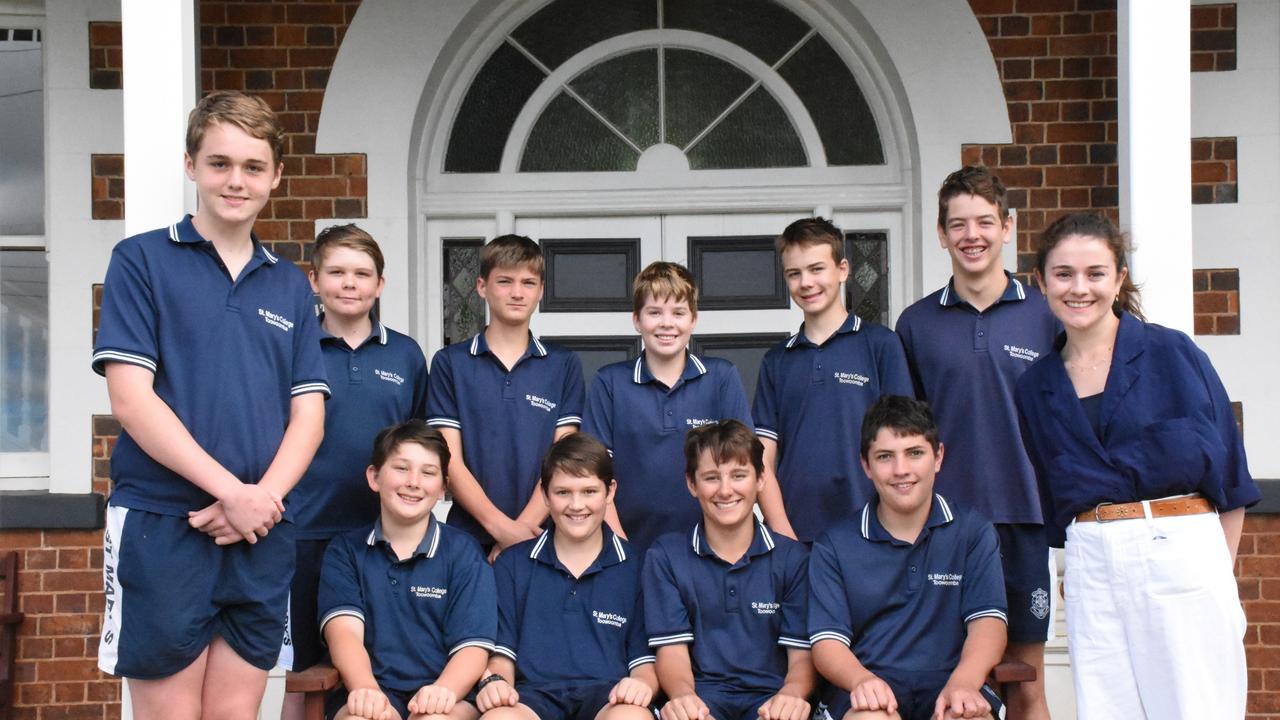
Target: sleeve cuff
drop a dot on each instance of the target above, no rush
(792, 642)
(839, 637)
(642, 660)
(473, 642)
(675, 639)
(102, 357)
(765, 432)
(444, 422)
(505, 652)
(988, 612)
(569, 420)
(347, 610)
(312, 386)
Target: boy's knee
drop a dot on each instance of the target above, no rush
(624, 712)
(871, 715)
(509, 712)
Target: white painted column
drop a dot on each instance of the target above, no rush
(1155, 153)
(160, 85)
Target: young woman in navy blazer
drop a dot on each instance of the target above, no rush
(1142, 472)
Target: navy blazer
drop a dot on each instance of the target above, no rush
(1166, 429)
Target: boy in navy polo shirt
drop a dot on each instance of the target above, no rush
(211, 351)
(906, 602)
(407, 606)
(378, 378)
(578, 587)
(501, 399)
(725, 602)
(640, 409)
(967, 345)
(815, 386)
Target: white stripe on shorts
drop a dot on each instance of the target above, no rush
(286, 644)
(109, 645)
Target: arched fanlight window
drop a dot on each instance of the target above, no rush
(727, 84)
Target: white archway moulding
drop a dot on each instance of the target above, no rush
(925, 69)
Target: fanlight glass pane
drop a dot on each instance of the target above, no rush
(699, 88)
(765, 29)
(757, 134)
(836, 104)
(568, 137)
(624, 90)
(564, 28)
(489, 110)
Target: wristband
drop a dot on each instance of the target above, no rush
(490, 680)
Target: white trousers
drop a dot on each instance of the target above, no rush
(1154, 622)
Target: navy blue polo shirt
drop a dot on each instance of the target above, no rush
(381, 382)
(965, 363)
(417, 612)
(643, 423)
(740, 618)
(228, 356)
(1167, 429)
(902, 606)
(508, 418)
(810, 399)
(543, 609)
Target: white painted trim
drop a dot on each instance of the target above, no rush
(22, 242)
(645, 39)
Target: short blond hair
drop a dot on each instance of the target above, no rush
(250, 113)
(512, 251)
(662, 280)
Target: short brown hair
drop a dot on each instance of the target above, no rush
(580, 455)
(974, 180)
(812, 231)
(662, 280)
(410, 431)
(1099, 226)
(250, 113)
(511, 251)
(726, 440)
(347, 236)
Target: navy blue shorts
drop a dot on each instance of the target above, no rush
(916, 694)
(169, 590)
(734, 705)
(1028, 581)
(575, 702)
(303, 646)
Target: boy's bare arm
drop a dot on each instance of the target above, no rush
(770, 498)
(837, 663)
(498, 694)
(468, 493)
(675, 677)
(345, 636)
(791, 701)
(298, 446)
(250, 509)
(983, 647)
(535, 511)
(456, 680)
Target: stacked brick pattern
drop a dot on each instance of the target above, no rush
(1057, 60)
(1213, 170)
(106, 66)
(107, 187)
(1213, 38)
(1258, 573)
(1217, 301)
(283, 52)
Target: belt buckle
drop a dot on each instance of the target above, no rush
(1098, 507)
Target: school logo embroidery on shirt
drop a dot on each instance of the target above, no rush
(853, 378)
(608, 618)
(275, 319)
(1040, 603)
(540, 402)
(1022, 353)
(766, 608)
(428, 591)
(699, 422)
(388, 376)
(946, 579)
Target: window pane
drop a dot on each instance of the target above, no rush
(867, 291)
(757, 134)
(744, 351)
(835, 102)
(699, 88)
(589, 275)
(568, 137)
(564, 28)
(493, 101)
(737, 273)
(625, 91)
(21, 134)
(24, 351)
(764, 28)
(596, 352)
(463, 307)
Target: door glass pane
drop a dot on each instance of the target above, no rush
(757, 134)
(24, 351)
(737, 273)
(625, 91)
(835, 102)
(463, 307)
(745, 351)
(699, 87)
(589, 275)
(567, 137)
(867, 291)
(21, 133)
(489, 110)
(764, 28)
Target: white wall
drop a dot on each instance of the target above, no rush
(1245, 103)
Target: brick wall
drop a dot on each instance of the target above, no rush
(107, 188)
(1213, 38)
(1213, 170)
(1258, 573)
(1217, 301)
(106, 54)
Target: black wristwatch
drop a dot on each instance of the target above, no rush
(489, 680)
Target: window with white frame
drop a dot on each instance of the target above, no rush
(24, 267)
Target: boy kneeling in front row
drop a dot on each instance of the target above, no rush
(725, 601)
(906, 601)
(571, 642)
(407, 607)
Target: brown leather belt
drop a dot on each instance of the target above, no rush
(1172, 507)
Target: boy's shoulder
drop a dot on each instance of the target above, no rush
(922, 307)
